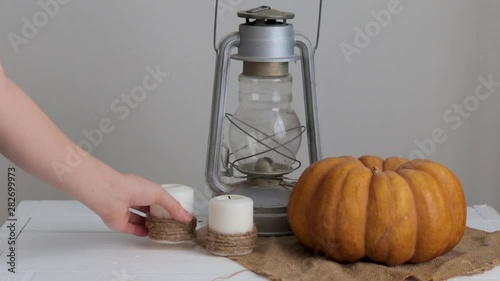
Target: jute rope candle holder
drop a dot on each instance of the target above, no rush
(170, 231)
(230, 244)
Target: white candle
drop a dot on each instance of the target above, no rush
(230, 214)
(183, 194)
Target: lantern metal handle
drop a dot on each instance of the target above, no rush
(307, 52)
(217, 116)
(317, 32)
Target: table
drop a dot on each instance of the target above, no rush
(64, 240)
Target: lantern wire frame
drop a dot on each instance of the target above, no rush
(229, 165)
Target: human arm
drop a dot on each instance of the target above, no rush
(33, 142)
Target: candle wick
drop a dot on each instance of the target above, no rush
(229, 197)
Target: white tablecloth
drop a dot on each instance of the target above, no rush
(65, 241)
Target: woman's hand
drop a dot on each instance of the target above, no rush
(113, 201)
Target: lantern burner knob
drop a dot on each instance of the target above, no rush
(265, 13)
(264, 165)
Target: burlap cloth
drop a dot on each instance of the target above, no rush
(284, 258)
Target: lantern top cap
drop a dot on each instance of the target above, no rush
(265, 13)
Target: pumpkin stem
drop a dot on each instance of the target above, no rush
(375, 170)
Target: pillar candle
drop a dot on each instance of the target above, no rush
(183, 194)
(230, 214)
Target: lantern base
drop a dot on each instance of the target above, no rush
(270, 207)
(272, 222)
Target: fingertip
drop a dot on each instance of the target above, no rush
(186, 216)
(140, 231)
(181, 215)
(136, 230)
(174, 208)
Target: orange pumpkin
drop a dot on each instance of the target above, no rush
(391, 211)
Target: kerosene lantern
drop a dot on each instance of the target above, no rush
(264, 132)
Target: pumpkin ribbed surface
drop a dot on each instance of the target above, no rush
(392, 211)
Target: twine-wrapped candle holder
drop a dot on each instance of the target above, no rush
(162, 228)
(230, 231)
(170, 231)
(238, 244)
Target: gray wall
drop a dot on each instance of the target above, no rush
(390, 96)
